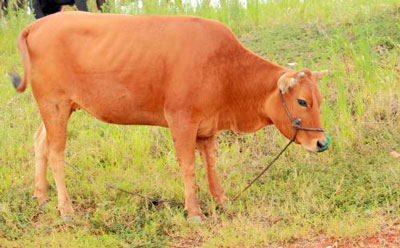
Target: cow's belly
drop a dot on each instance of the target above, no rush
(135, 117)
(119, 105)
(119, 114)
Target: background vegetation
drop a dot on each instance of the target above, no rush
(350, 191)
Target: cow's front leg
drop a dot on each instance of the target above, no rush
(206, 147)
(184, 136)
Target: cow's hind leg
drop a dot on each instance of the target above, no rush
(55, 117)
(41, 158)
(206, 147)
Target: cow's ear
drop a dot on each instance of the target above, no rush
(318, 75)
(286, 81)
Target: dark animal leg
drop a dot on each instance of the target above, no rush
(38, 9)
(99, 4)
(81, 5)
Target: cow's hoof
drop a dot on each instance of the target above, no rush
(63, 221)
(196, 219)
(43, 207)
(40, 199)
(223, 207)
(67, 220)
(222, 200)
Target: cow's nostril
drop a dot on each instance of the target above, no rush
(322, 145)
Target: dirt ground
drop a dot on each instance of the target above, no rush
(385, 238)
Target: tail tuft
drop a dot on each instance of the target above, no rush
(20, 84)
(15, 79)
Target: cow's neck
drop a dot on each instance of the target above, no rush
(254, 80)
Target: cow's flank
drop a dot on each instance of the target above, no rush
(186, 73)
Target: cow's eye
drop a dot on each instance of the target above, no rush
(302, 102)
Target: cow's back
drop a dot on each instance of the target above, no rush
(107, 42)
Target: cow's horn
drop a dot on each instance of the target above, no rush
(301, 74)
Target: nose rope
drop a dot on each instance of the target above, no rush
(296, 123)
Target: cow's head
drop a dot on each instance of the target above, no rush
(300, 92)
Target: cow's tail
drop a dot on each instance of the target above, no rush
(20, 85)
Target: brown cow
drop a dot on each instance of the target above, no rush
(186, 73)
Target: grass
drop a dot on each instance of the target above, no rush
(351, 191)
